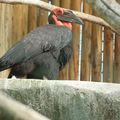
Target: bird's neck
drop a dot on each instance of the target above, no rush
(60, 23)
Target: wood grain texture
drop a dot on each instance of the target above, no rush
(86, 45)
(55, 2)
(109, 10)
(5, 31)
(117, 57)
(49, 7)
(32, 17)
(64, 74)
(42, 16)
(20, 22)
(96, 52)
(108, 55)
(73, 70)
(117, 60)
(13, 26)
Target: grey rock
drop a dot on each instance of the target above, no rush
(67, 100)
(12, 110)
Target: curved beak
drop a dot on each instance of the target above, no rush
(69, 16)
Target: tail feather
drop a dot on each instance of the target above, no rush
(12, 57)
(5, 64)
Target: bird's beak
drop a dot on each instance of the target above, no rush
(69, 16)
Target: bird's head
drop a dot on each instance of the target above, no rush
(60, 17)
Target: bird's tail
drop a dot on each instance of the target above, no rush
(5, 63)
(12, 57)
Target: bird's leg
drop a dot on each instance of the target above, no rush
(13, 77)
(45, 78)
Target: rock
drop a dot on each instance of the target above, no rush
(12, 110)
(67, 100)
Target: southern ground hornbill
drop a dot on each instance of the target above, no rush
(45, 50)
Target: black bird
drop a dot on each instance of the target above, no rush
(45, 50)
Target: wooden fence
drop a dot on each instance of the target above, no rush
(99, 59)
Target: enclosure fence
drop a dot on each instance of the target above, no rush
(96, 49)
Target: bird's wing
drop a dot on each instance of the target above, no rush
(45, 66)
(65, 55)
(42, 39)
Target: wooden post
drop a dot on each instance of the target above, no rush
(32, 17)
(13, 26)
(55, 2)
(117, 58)
(65, 3)
(64, 73)
(73, 73)
(42, 16)
(108, 55)
(5, 31)
(96, 52)
(20, 22)
(118, 1)
(86, 45)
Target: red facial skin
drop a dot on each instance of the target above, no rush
(57, 12)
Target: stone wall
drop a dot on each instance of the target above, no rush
(67, 100)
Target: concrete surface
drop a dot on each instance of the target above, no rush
(67, 100)
(12, 110)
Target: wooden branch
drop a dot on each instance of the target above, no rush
(49, 7)
(109, 10)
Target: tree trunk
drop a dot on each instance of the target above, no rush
(109, 10)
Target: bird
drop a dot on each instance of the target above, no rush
(44, 51)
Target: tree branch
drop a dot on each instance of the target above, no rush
(109, 10)
(49, 7)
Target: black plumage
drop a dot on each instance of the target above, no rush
(34, 50)
(43, 52)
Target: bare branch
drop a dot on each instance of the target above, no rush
(109, 10)
(49, 7)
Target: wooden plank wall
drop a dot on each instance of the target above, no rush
(17, 20)
(108, 55)
(6, 12)
(86, 45)
(96, 51)
(117, 58)
(92, 54)
(42, 16)
(73, 69)
(64, 74)
(32, 17)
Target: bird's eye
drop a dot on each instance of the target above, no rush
(59, 12)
